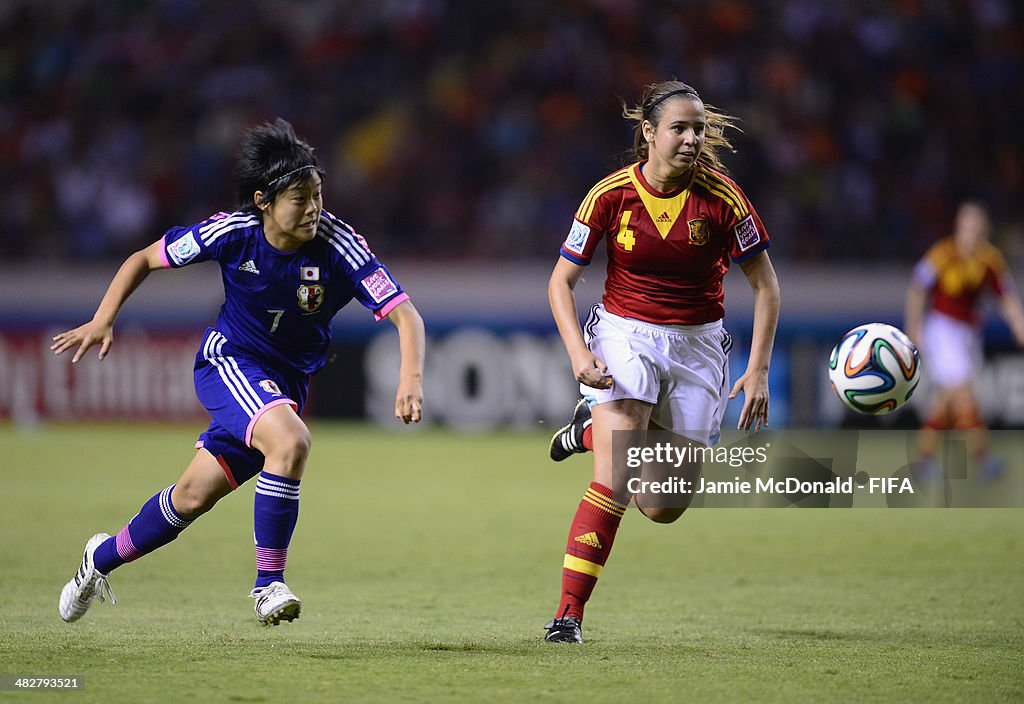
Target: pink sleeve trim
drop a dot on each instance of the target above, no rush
(259, 414)
(390, 306)
(164, 261)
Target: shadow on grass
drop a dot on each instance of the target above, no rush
(821, 634)
(414, 648)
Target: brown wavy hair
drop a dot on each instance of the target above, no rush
(651, 107)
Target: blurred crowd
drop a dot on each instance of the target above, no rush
(472, 129)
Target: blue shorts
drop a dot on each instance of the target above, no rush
(236, 390)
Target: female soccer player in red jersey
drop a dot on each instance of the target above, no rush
(942, 318)
(288, 266)
(654, 353)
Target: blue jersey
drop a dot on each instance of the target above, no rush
(278, 305)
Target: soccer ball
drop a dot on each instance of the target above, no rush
(874, 368)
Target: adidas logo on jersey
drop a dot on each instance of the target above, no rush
(664, 217)
(250, 267)
(589, 539)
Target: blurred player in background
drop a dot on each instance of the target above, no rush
(942, 319)
(655, 352)
(288, 266)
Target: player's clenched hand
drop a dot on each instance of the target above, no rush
(754, 386)
(591, 371)
(409, 402)
(83, 337)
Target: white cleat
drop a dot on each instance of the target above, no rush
(275, 603)
(77, 595)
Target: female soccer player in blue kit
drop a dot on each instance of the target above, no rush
(288, 266)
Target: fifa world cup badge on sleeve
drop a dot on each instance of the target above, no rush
(747, 234)
(379, 285)
(183, 250)
(577, 238)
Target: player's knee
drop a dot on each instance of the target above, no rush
(292, 449)
(301, 444)
(662, 515)
(191, 499)
(966, 417)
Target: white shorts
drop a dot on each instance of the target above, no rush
(951, 351)
(683, 370)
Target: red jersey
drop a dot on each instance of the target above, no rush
(667, 252)
(957, 280)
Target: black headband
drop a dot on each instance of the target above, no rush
(680, 91)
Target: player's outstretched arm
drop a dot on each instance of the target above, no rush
(412, 344)
(586, 366)
(754, 383)
(100, 330)
(1012, 311)
(916, 303)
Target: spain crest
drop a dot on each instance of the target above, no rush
(698, 231)
(311, 297)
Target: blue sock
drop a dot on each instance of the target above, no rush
(275, 512)
(155, 525)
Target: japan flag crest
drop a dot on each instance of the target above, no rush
(311, 297)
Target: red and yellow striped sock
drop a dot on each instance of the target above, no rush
(590, 542)
(588, 438)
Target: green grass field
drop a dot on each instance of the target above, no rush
(429, 561)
